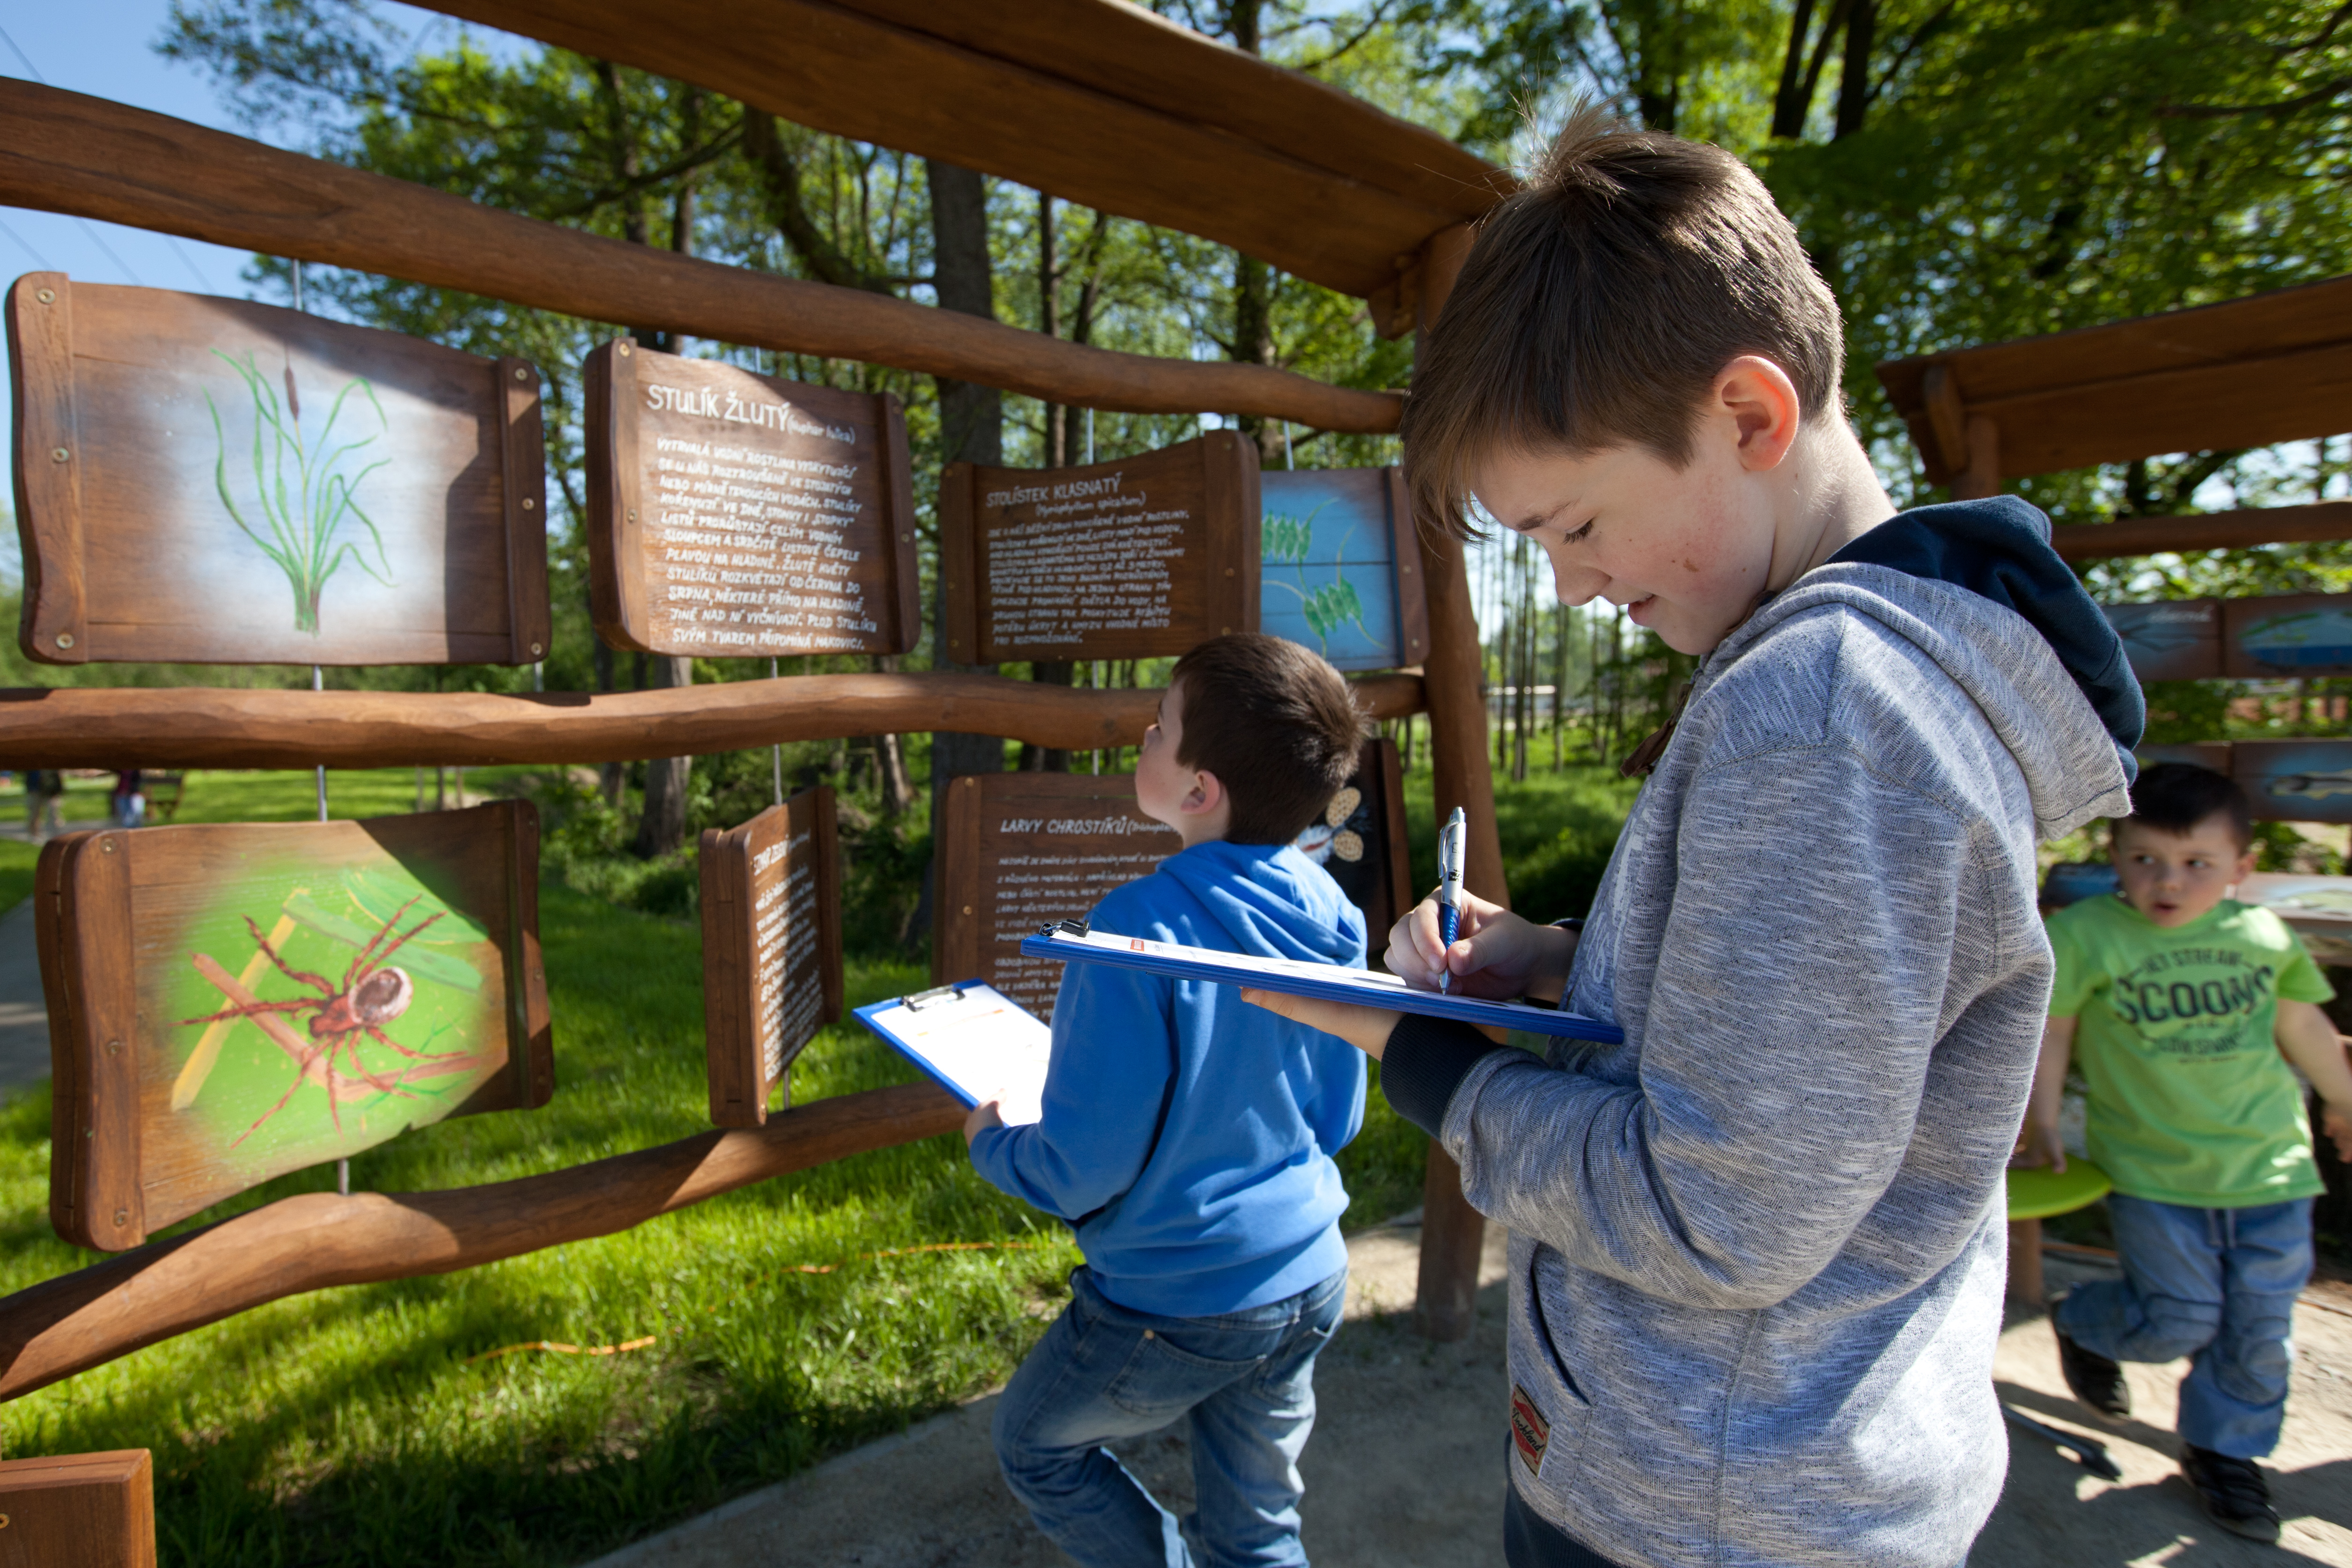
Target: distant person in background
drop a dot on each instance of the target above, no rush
(2183, 1008)
(128, 807)
(45, 790)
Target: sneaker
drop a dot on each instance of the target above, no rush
(2235, 1495)
(2095, 1381)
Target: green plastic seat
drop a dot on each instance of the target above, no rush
(2040, 1192)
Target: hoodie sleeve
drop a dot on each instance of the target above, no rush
(1107, 1084)
(1801, 986)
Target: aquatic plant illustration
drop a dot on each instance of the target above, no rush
(2300, 639)
(305, 488)
(1327, 606)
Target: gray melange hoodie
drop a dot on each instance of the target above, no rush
(1758, 1250)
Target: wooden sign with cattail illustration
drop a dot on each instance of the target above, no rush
(227, 1004)
(218, 481)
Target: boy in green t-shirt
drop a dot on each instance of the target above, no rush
(2178, 1002)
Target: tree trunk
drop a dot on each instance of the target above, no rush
(661, 828)
(1854, 81)
(971, 430)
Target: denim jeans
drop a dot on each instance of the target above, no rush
(2216, 1285)
(1244, 1382)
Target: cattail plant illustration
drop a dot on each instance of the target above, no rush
(305, 488)
(1327, 606)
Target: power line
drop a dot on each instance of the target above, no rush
(88, 227)
(38, 260)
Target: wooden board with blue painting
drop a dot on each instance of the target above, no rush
(1340, 569)
(231, 1003)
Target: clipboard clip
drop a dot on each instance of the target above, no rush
(936, 994)
(1065, 928)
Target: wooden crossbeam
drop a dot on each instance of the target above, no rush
(1098, 102)
(88, 1318)
(65, 151)
(2249, 373)
(2319, 522)
(213, 727)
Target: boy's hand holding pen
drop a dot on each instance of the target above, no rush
(1454, 940)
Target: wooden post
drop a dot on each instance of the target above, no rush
(2025, 1283)
(78, 1510)
(1452, 1231)
(1982, 477)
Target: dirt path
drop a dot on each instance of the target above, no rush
(1405, 1469)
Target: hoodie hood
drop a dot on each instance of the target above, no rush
(1271, 900)
(1999, 549)
(2073, 767)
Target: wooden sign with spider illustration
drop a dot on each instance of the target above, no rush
(229, 1003)
(225, 482)
(771, 950)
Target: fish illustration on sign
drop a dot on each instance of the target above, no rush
(2311, 787)
(2300, 639)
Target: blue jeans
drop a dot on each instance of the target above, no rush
(1246, 1383)
(2216, 1285)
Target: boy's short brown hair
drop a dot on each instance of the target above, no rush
(2174, 797)
(1276, 725)
(1601, 300)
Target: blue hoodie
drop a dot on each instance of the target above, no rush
(1187, 1134)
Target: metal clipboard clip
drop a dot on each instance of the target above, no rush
(931, 999)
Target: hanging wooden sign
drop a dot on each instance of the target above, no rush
(1339, 568)
(2285, 636)
(1021, 850)
(1361, 840)
(222, 482)
(771, 949)
(2171, 639)
(1139, 559)
(738, 515)
(2295, 781)
(229, 1003)
(78, 1510)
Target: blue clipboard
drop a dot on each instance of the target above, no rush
(972, 1040)
(1068, 942)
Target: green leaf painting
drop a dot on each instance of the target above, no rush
(1328, 607)
(301, 491)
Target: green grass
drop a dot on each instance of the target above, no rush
(347, 1427)
(1557, 831)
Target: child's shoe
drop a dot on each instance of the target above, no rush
(2235, 1495)
(2095, 1381)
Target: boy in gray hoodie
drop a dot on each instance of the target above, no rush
(1758, 1250)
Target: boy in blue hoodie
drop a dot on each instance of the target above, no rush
(1189, 1138)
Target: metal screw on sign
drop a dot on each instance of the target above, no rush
(46, 296)
(105, 845)
(521, 374)
(529, 504)
(64, 639)
(114, 1048)
(625, 346)
(123, 1217)
(534, 650)
(59, 455)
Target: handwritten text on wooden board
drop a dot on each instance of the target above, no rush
(222, 482)
(733, 515)
(771, 949)
(231, 1003)
(1137, 559)
(1023, 850)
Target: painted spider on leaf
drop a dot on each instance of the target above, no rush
(373, 992)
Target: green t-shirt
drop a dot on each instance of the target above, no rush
(2190, 1102)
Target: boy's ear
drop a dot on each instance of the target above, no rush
(1207, 792)
(1763, 406)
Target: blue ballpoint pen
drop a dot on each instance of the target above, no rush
(1449, 847)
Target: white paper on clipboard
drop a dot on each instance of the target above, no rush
(978, 1043)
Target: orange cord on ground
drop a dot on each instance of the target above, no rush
(638, 1344)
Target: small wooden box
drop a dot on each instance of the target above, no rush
(78, 1510)
(771, 949)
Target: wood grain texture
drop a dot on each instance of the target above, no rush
(78, 1510)
(772, 971)
(2271, 367)
(2212, 531)
(82, 1320)
(1272, 175)
(63, 151)
(49, 475)
(214, 727)
(135, 1035)
(252, 485)
(1411, 581)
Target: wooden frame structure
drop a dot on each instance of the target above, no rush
(1179, 131)
(2251, 373)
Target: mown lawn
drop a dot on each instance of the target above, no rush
(351, 1428)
